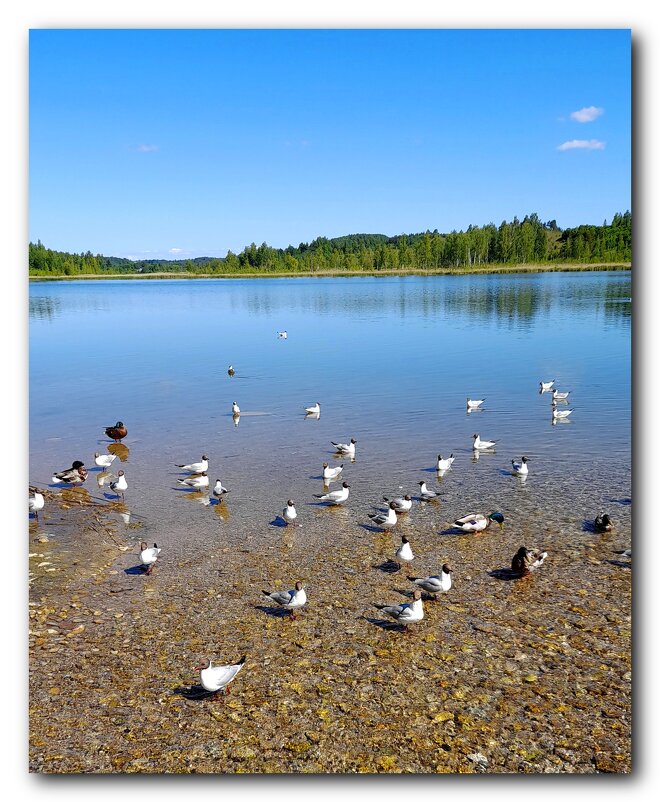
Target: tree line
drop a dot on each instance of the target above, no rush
(529, 242)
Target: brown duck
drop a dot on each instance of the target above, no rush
(116, 432)
(75, 475)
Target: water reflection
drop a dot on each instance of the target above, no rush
(119, 450)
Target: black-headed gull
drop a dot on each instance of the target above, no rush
(404, 553)
(545, 386)
(477, 522)
(480, 444)
(407, 613)
(559, 414)
(473, 403)
(198, 482)
(401, 503)
(104, 460)
(331, 473)
(196, 467)
(289, 512)
(148, 556)
(425, 493)
(436, 583)
(444, 464)
(526, 560)
(35, 501)
(217, 678)
(313, 410)
(288, 599)
(219, 490)
(385, 520)
(335, 496)
(345, 448)
(520, 468)
(557, 396)
(119, 485)
(235, 409)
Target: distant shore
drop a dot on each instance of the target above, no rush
(559, 268)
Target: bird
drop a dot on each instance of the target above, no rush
(75, 475)
(404, 552)
(346, 448)
(477, 522)
(406, 613)
(401, 504)
(104, 460)
(480, 444)
(148, 556)
(520, 468)
(436, 583)
(196, 467)
(545, 386)
(235, 409)
(288, 599)
(445, 464)
(425, 494)
(197, 482)
(219, 490)
(119, 484)
(230, 370)
(36, 501)
(625, 553)
(116, 432)
(557, 396)
(385, 520)
(217, 678)
(335, 496)
(282, 335)
(474, 404)
(603, 523)
(289, 512)
(331, 473)
(559, 413)
(526, 560)
(315, 410)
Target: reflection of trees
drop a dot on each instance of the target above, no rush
(44, 307)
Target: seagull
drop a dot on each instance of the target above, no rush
(219, 490)
(407, 613)
(148, 557)
(75, 475)
(625, 553)
(525, 560)
(196, 467)
(235, 409)
(445, 464)
(346, 448)
(545, 386)
(335, 496)
(425, 494)
(288, 599)
(119, 484)
(116, 432)
(474, 404)
(385, 520)
(480, 444)
(35, 501)
(437, 583)
(199, 482)
(404, 552)
(289, 512)
(230, 370)
(520, 468)
(603, 523)
(557, 396)
(477, 522)
(401, 504)
(104, 460)
(331, 473)
(217, 678)
(282, 335)
(559, 413)
(315, 410)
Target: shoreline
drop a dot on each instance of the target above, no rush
(506, 269)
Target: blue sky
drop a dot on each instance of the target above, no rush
(183, 143)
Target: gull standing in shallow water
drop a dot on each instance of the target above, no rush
(407, 613)
(199, 482)
(291, 600)
(520, 468)
(385, 520)
(104, 460)
(196, 467)
(401, 503)
(480, 444)
(425, 494)
(119, 484)
(404, 553)
(336, 496)
(219, 490)
(444, 464)
(235, 409)
(35, 501)
(437, 583)
(477, 522)
(289, 512)
(331, 473)
(217, 678)
(148, 556)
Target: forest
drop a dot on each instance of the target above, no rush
(526, 242)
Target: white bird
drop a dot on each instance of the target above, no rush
(104, 460)
(288, 599)
(235, 409)
(625, 553)
(335, 496)
(200, 482)
(331, 473)
(119, 484)
(545, 386)
(445, 464)
(557, 396)
(282, 335)
(219, 490)
(477, 522)
(520, 468)
(315, 410)
(289, 512)
(35, 501)
(474, 404)
(196, 467)
(148, 556)
(437, 583)
(346, 448)
(425, 493)
(407, 613)
(385, 520)
(404, 552)
(480, 444)
(217, 678)
(401, 503)
(559, 413)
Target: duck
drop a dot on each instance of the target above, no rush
(557, 396)
(474, 403)
(404, 553)
(219, 490)
(75, 475)
(444, 464)
(313, 410)
(520, 468)
(235, 409)
(331, 473)
(289, 512)
(425, 494)
(527, 560)
(406, 613)
(148, 556)
(603, 523)
(119, 484)
(436, 583)
(559, 413)
(477, 522)
(345, 448)
(545, 386)
(480, 444)
(385, 520)
(197, 482)
(401, 504)
(291, 600)
(230, 370)
(335, 496)
(104, 460)
(36, 501)
(196, 467)
(116, 432)
(217, 678)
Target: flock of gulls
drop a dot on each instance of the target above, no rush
(216, 678)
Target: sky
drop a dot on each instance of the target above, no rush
(178, 143)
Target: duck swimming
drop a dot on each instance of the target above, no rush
(603, 523)
(477, 522)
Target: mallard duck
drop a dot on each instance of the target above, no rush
(335, 496)
(148, 556)
(480, 444)
(75, 475)
(401, 503)
(526, 560)
(291, 600)
(520, 468)
(331, 473)
(346, 448)
(437, 583)
(196, 467)
(407, 613)
(36, 501)
(217, 678)
(477, 522)
(385, 520)
(603, 523)
(116, 432)
(289, 512)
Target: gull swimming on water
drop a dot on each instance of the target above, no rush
(288, 599)
(335, 496)
(196, 467)
(480, 444)
(104, 460)
(444, 464)
(437, 583)
(219, 490)
(526, 560)
(346, 448)
(217, 678)
(35, 501)
(119, 484)
(425, 494)
(315, 410)
(148, 556)
(557, 396)
(477, 522)
(474, 403)
(520, 468)
(331, 473)
(401, 503)
(407, 613)
(559, 413)
(289, 512)
(200, 482)
(545, 386)
(385, 520)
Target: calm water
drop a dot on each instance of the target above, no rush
(391, 360)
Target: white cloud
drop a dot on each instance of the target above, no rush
(584, 144)
(175, 250)
(587, 114)
(147, 148)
